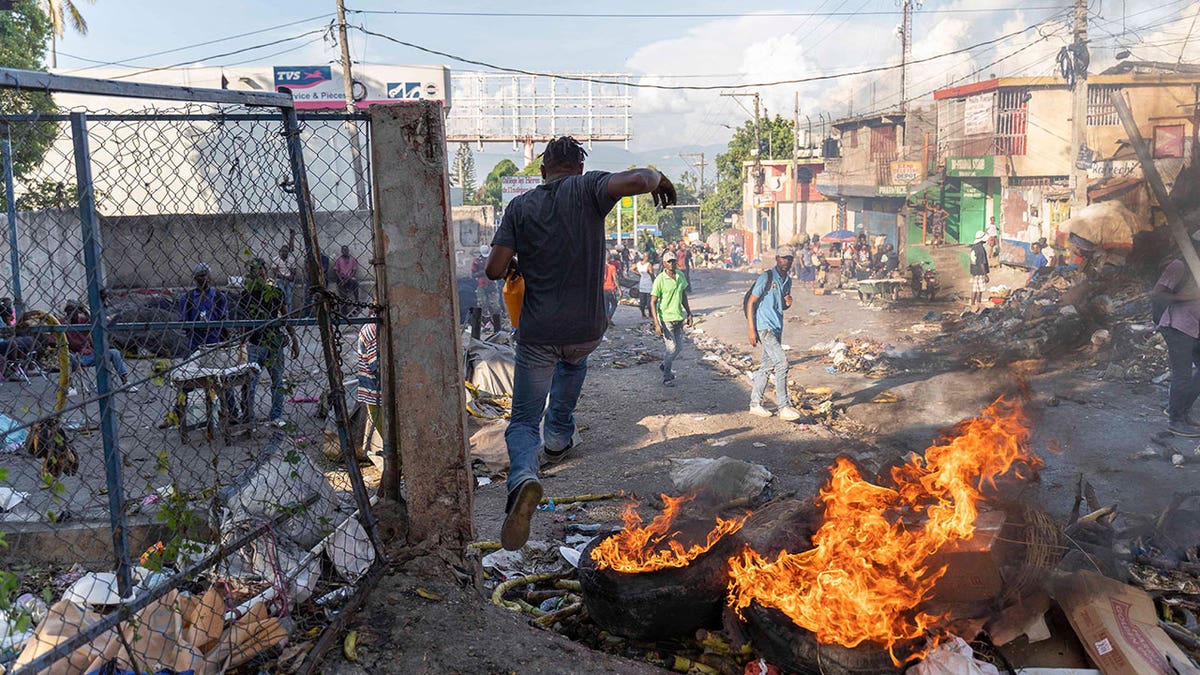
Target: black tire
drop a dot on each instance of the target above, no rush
(656, 605)
(796, 650)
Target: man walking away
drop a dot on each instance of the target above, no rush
(979, 270)
(769, 297)
(645, 270)
(556, 232)
(1178, 298)
(669, 309)
(262, 301)
(612, 288)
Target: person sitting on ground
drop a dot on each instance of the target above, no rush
(768, 298)
(1037, 264)
(979, 269)
(344, 273)
(80, 346)
(669, 309)
(645, 270)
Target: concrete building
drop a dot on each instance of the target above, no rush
(872, 164)
(779, 207)
(1004, 147)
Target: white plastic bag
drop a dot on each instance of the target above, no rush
(953, 657)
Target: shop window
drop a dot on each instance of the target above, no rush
(1100, 110)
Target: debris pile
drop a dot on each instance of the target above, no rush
(1054, 318)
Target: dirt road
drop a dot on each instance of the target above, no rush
(632, 426)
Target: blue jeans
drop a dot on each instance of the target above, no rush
(540, 370)
(272, 360)
(610, 304)
(89, 360)
(673, 337)
(773, 360)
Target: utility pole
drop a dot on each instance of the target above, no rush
(360, 182)
(1079, 99)
(700, 193)
(758, 171)
(906, 40)
(795, 161)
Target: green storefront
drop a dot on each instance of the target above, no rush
(971, 194)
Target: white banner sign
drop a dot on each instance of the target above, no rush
(511, 186)
(979, 115)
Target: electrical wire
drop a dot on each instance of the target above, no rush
(218, 56)
(127, 61)
(683, 15)
(684, 87)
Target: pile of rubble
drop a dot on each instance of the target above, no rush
(1066, 312)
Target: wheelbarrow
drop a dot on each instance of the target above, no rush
(883, 290)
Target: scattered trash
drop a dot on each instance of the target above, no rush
(10, 498)
(350, 550)
(760, 445)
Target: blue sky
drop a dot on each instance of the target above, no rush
(767, 42)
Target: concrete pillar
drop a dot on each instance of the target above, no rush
(426, 396)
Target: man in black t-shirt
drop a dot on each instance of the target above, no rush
(979, 269)
(556, 232)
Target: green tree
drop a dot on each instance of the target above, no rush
(463, 175)
(491, 192)
(60, 13)
(725, 198)
(534, 168)
(24, 32)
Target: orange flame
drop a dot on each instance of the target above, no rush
(867, 571)
(641, 549)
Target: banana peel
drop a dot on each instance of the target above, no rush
(350, 646)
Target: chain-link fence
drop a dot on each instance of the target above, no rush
(187, 350)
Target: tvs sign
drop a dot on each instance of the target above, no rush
(302, 78)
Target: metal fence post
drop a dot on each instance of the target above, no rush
(10, 200)
(94, 275)
(316, 276)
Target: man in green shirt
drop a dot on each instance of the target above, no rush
(669, 309)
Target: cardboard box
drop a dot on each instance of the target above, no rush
(1118, 626)
(973, 566)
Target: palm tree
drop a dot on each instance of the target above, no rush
(60, 12)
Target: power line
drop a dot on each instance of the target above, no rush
(127, 61)
(685, 87)
(682, 15)
(218, 56)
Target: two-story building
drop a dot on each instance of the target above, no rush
(1004, 147)
(873, 163)
(781, 207)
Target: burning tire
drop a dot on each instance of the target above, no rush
(795, 649)
(660, 604)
